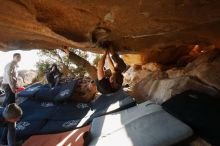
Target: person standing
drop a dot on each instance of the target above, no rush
(10, 85)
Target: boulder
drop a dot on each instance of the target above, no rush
(152, 67)
(26, 77)
(160, 90)
(141, 89)
(150, 82)
(208, 73)
(136, 73)
(206, 68)
(199, 142)
(206, 57)
(175, 73)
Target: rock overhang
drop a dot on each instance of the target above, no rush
(154, 28)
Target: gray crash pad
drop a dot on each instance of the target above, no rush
(146, 124)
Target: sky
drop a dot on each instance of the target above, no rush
(28, 59)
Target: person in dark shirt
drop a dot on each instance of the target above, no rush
(111, 80)
(107, 81)
(53, 76)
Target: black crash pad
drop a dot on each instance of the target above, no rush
(200, 111)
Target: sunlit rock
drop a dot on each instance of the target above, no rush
(160, 90)
(136, 73)
(26, 77)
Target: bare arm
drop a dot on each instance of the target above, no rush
(110, 63)
(79, 61)
(101, 72)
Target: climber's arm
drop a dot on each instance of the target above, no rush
(101, 64)
(79, 61)
(110, 63)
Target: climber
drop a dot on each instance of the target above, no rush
(8, 116)
(111, 80)
(107, 81)
(53, 76)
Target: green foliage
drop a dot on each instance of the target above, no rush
(42, 67)
(57, 56)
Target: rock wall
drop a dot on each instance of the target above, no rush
(160, 30)
(155, 82)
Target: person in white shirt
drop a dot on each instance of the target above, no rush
(9, 84)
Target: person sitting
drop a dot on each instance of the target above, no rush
(53, 76)
(109, 81)
(8, 116)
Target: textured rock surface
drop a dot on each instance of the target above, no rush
(159, 85)
(137, 73)
(163, 89)
(207, 68)
(161, 30)
(175, 73)
(26, 77)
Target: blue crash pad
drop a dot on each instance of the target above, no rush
(44, 92)
(59, 93)
(111, 103)
(75, 115)
(37, 110)
(26, 128)
(43, 117)
(30, 91)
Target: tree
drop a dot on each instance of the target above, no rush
(42, 67)
(57, 56)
